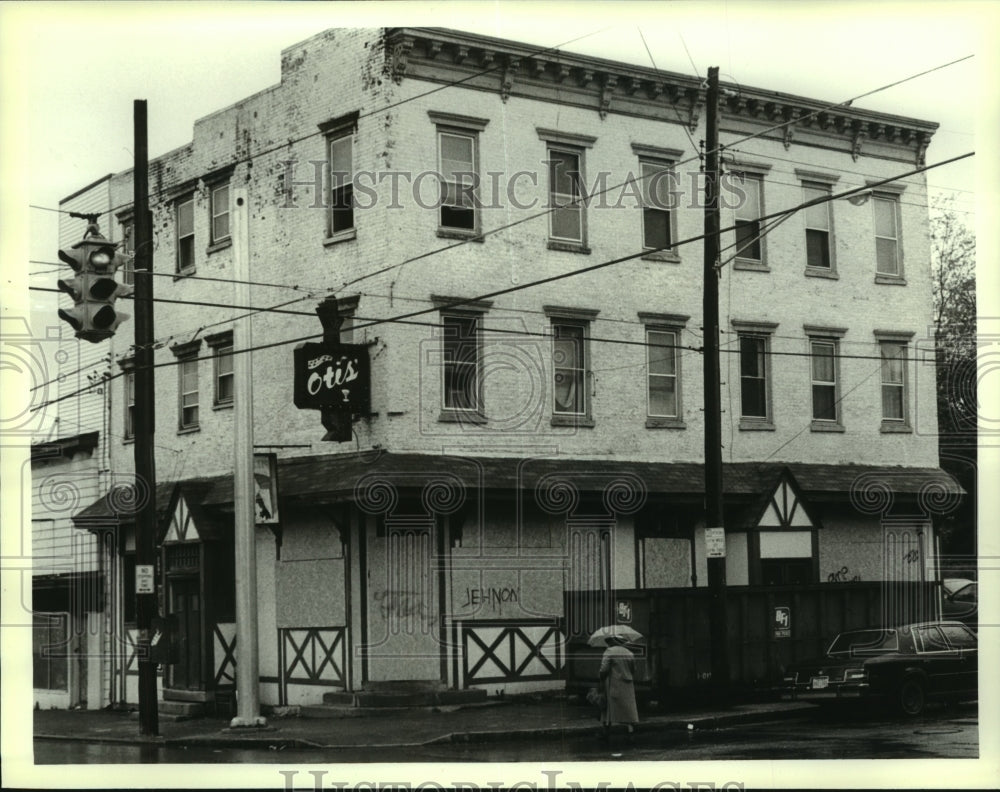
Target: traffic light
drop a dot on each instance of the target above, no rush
(94, 289)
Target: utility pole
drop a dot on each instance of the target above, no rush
(145, 424)
(244, 515)
(714, 526)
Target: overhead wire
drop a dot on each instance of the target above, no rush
(541, 281)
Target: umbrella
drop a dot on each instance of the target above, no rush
(622, 632)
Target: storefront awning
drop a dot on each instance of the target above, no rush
(336, 478)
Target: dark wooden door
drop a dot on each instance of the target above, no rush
(185, 606)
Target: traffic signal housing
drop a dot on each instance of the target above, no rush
(94, 290)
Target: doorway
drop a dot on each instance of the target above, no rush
(185, 608)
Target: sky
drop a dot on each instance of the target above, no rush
(69, 73)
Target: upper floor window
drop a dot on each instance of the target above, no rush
(887, 257)
(823, 361)
(341, 182)
(221, 345)
(753, 377)
(567, 212)
(893, 350)
(184, 210)
(187, 384)
(570, 365)
(220, 213)
(457, 161)
(657, 196)
(461, 384)
(458, 166)
(128, 399)
(748, 212)
(755, 374)
(128, 249)
(566, 220)
(662, 363)
(819, 227)
(569, 368)
(461, 359)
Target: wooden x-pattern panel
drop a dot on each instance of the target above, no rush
(312, 656)
(131, 652)
(511, 651)
(225, 654)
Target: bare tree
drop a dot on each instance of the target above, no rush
(953, 269)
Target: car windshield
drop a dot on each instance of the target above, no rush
(865, 642)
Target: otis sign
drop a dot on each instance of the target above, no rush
(335, 376)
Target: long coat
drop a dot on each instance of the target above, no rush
(618, 672)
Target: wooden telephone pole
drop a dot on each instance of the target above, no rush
(714, 525)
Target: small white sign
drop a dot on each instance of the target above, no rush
(144, 579)
(715, 542)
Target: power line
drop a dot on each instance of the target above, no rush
(845, 103)
(593, 267)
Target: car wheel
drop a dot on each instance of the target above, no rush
(912, 697)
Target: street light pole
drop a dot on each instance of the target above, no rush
(714, 525)
(244, 516)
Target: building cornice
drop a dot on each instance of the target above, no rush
(511, 68)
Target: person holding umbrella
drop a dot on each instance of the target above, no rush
(618, 675)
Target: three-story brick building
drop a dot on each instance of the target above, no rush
(532, 429)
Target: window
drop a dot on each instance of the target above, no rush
(457, 161)
(753, 377)
(567, 216)
(824, 380)
(887, 258)
(461, 386)
(128, 250)
(187, 384)
(49, 636)
(341, 182)
(818, 226)
(565, 193)
(661, 371)
(570, 365)
(129, 394)
(748, 212)
(656, 204)
(569, 369)
(458, 166)
(893, 381)
(185, 234)
(222, 367)
(220, 213)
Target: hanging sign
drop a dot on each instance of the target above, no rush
(715, 542)
(334, 376)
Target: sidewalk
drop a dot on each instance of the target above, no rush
(517, 719)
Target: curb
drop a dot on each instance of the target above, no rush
(260, 742)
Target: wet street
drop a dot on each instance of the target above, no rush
(851, 734)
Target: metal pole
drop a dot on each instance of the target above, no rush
(713, 399)
(145, 424)
(244, 516)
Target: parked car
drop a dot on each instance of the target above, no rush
(904, 666)
(960, 602)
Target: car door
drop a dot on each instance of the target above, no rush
(941, 663)
(963, 641)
